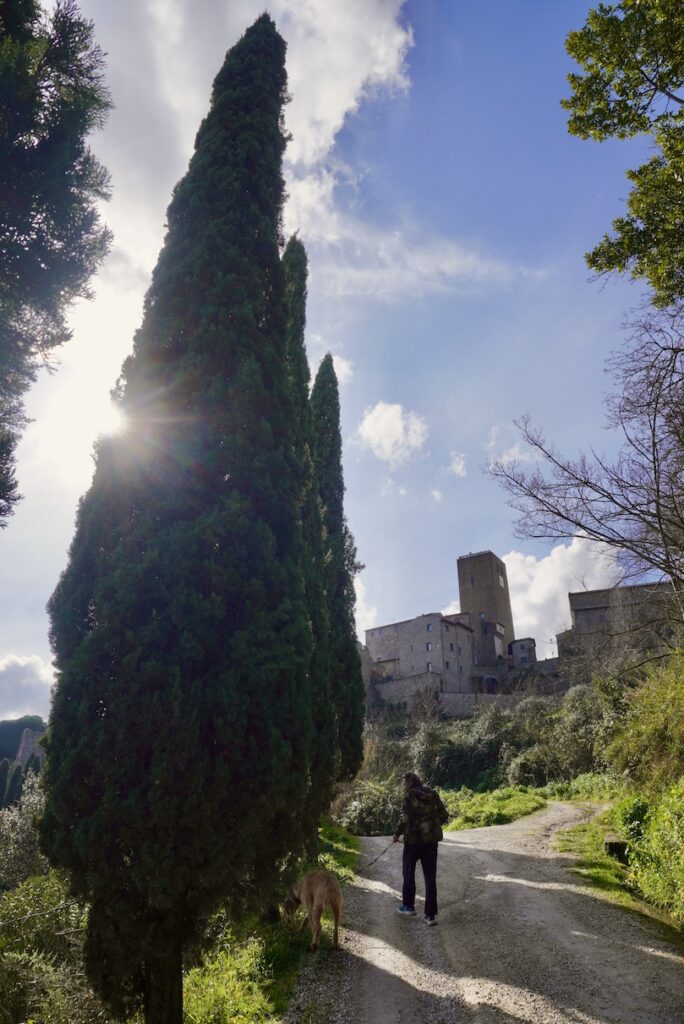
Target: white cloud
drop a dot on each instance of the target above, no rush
(340, 55)
(389, 487)
(366, 614)
(344, 369)
(437, 495)
(392, 433)
(453, 608)
(516, 453)
(457, 466)
(24, 686)
(492, 436)
(337, 55)
(539, 587)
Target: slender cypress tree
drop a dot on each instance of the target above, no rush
(324, 753)
(178, 754)
(14, 785)
(341, 565)
(4, 773)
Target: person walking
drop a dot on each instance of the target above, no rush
(422, 817)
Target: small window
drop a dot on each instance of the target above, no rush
(501, 579)
(446, 626)
(451, 647)
(459, 648)
(447, 664)
(380, 632)
(460, 670)
(411, 646)
(428, 646)
(429, 627)
(429, 666)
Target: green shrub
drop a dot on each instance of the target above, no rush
(630, 817)
(588, 786)
(649, 745)
(574, 740)
(530, 767)
(468, 809)
(20, 856)
(658, 859)
(368, 808)
(230, 986)
(41, 964)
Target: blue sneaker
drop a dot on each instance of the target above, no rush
(429, 921)
(406, 911)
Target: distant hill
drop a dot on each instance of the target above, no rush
(11, 732)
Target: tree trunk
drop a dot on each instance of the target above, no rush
(164, 984)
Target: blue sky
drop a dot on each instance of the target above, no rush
(445, 210)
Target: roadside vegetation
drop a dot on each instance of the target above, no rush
(243, 971)
(615, 741)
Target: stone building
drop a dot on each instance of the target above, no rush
(636, 616)
(460, 660)
(431, 654)
(484, 598)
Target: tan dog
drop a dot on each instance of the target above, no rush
(315, 892)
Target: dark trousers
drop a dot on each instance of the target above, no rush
(426, 853)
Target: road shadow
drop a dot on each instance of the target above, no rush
(527, 927)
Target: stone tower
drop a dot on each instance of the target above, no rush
(483, 591)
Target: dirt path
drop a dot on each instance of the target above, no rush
(520, 939)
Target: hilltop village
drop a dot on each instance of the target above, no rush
(473, 658)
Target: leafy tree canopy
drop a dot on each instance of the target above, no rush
(632, 83)
(51, 239)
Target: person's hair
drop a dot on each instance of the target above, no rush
(412, 780)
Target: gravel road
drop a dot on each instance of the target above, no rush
(519, 939)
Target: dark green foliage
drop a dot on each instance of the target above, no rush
(41, 956)
(371, 807)
(11, 730)
(14, 786)
(4, 775)
(51, 98)
(632, 57)
(341, 566)
(178, 759)
(323, 758)
(630, 817)
(647, 745)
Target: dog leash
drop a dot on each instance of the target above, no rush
(371, 862)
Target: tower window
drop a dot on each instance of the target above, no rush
(428, 646)
(429, 627)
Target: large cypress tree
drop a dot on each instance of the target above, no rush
(178, 757)
(324, 753)
(341, 566)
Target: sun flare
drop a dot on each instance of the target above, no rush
(109, 419)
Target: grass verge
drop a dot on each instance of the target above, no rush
(249, 976)
(585, 842)
(499, 807)
(605, 873)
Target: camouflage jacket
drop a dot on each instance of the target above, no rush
(422, 816)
